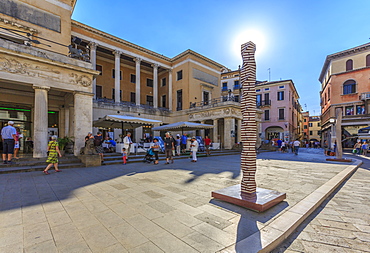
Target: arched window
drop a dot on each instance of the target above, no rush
(349, 65)
(368, 60)
(349, 87)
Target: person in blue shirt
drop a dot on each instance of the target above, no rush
(8, 135)
(184, 140)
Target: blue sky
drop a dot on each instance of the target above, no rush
(293, 37)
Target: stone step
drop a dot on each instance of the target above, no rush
(18, 169)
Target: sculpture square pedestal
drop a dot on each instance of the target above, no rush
(260, 201)
(90, 160)
(339, 160)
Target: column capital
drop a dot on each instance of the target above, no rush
(93, 45)
(169, 70)
(155, 65)
(137, 60)
(117, 53)
(35, 87)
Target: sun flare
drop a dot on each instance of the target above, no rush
(255, 36)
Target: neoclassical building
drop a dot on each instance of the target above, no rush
(58, 75)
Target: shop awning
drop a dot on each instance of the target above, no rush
(183, 125)
(123, 122)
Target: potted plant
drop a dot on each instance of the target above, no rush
(63, 142)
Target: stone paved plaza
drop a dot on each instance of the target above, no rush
(163, 208)
(341, 224)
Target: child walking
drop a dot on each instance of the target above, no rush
(124, 156)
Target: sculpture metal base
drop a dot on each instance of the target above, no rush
(260, 201)
(339, 160)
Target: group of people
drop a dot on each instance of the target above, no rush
(284, 147)
(361, 148)
(11, 137)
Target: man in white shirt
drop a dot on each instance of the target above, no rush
(127, 144)
(194, 148)
(296, 145)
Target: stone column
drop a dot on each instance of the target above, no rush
(155, 85)
(137, 60)
(117, 79)
(71, 121)
(229, 129)
(215, 131)
(170, 102)
(239, 122)
(83, 117)
(40, 134)
(93, 47)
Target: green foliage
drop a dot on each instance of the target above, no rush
(63, 142)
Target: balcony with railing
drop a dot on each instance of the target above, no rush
(215, 102)
(365, 96)
(263, 103)
(127, 106)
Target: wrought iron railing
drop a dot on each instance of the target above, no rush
(128, 104)
(214, 101)
(263, 103)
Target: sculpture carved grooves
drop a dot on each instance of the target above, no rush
(249, 127)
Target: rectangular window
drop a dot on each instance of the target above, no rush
(164, 102)
(360, 109)
(267, 114)
(224, 86)
(236, 98)
(281, 87)
(99, 68)
(267, 98)
(163, 83)
(179, 75)
(259, 100)
(350, 110)
(149, 82)
(205, 97)
(179, 100)
(281, 113)
(258, 90)
(304, 120)
(133, 97)
(310, 124)
(149, 100)
(99, 91)
(311, 133)
(280, 95)
(305, 127)
(267, 89)
(236, 85)
(318, 124)
(133, 78)
(114, 74)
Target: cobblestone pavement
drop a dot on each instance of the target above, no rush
(341, 224)
(157, 208)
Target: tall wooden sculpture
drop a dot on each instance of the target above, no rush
(247, 194)
(248, 108)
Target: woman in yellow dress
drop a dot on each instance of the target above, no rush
(53, 155)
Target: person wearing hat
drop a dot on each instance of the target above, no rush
(194, 148)
(8, 135)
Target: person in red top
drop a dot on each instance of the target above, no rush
(207, 143)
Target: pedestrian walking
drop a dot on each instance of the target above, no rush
(17, 144)
(357, 148)
(169, 145)
(8, 135)
(155, 148)
(184, 140)
(98, 140)
(124, 156)
(364, 148)
(194, 148)
(283, 147)
(178, 145)
(207, 143)
(296, 145)
(279, 144)
(127, 142)
(53, 152)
